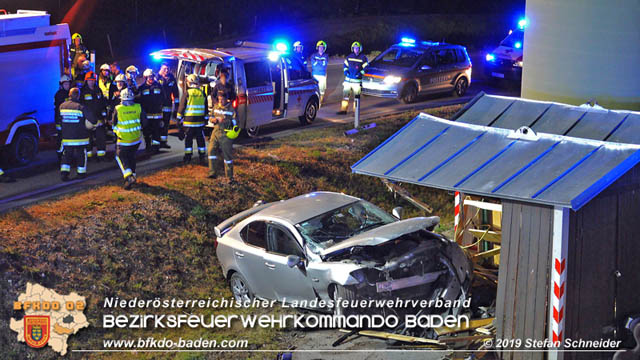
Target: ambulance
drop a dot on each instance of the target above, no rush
(271, 84)
(33, 56)
(505, 62)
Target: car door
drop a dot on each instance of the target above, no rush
(427, 73)
(249, 257)
(448, 68)
(300, 86)
(259, 92)
(289, 284)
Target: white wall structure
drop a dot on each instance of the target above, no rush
(576, 50)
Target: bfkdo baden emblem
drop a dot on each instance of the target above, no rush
(36, 330)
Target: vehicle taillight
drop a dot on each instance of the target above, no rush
(235, 103)
(215, 243)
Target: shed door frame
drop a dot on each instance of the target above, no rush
(557, 287)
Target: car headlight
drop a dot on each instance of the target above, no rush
(490, 57)
(517, 64)
(392, 79)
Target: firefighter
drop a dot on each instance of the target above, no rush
(171, 99)
(77, 49)
(80, 73)
(5, 178)
(115, 70)
(298, 51)
(61, 96)
(104, 80)
(128, 121)
(319, 62)
(76, 121)
(91, 97)
(131, 75)
(151, 99)
(119, 83)
(354, 66)
(192, 115)
(223, 85)
(225, 130)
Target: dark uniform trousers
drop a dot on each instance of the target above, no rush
(197, 133)
(126, 158)
(219, 142)
(74, 155)
(98, 139)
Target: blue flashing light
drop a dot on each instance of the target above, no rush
(281, 46)
(518, 45)
(490, 57)
(407, 44)
(522, 23)
(274, 55)
(157, 57)
(407, 40)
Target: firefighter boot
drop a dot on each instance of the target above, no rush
(202, 159)
(148, 148)
(228, 169)
(186, 159)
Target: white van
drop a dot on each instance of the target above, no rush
(33, 56)
(270, 85)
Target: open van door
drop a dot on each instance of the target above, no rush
(260, 93)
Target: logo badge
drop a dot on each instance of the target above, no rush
(36, 330)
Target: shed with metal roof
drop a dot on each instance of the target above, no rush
(569, 182)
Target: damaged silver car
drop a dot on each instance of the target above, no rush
(327, 246)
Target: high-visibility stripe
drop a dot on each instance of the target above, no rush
(354, 59)
(128, 143)
(127, 173)
(71, 112)
(202, 149)
(65, 167)
(1, 172)
(82, 170)
(166, 108)
(213, 157)
(119, 164)
(193, 124)
(188, 150)
(129, 130)
(163, 138)
(102, 153)
(128, 122)
(228, 161)
(155, 142)
(90, 153)
(70, 121)
(75, 142)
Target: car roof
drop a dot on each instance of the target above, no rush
(304, 207)
(427, 45)
(226, 54)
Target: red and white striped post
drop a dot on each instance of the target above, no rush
(456, 211)
(557, 295)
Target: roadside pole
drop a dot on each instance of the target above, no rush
(356, 122)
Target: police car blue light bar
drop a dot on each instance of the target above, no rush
(522, 23)
(274, 55)
(281, 46)
(490, 57)
(518, 45)
(407, 40)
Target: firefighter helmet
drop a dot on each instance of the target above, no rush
(192, 80)
(90, 76)
(105, 67)
(120, 77)
(147, 72)
(296, 44)
(126, 95)
(356, 44)
(65, 78)
(132, 69)
(233, 132)
(321, 43)
(86, 64)
(76, 36)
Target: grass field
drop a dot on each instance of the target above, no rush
(157, 240)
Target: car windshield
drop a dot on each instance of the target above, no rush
(514, 40)
(403, 57)
(335, 226)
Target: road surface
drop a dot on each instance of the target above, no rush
(40, 180)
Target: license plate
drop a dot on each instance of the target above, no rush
(498, 75)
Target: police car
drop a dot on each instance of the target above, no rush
(505, 62)
(412, 68)
(271, 83)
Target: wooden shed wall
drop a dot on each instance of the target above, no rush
(604, 238)
(523, 278)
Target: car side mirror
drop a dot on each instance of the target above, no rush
(293, 261)
(425, 67)
(397, 212)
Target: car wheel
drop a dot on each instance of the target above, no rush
(461, 87)
(252, 131)
(310, 112)
(409, 93)
(344, 294)
(240, 288)
(24, 148)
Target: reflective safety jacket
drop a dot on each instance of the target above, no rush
(74, 129)
(354, 66)
(319, 64)
(151, 99)
(170, 91)
(193, 108)
(127, 123)
(104, 84)
(94, 102)
(61, 96)
(225, 115)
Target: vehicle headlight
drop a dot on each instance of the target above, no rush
(392, 79)
(490, 57)
(517, 64)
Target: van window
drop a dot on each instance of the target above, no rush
(296, 69)
(446, 57)
(258, 74)
(462, 57)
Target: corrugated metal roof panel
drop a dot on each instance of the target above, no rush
(485, 110)
(489, 161)
(521, 114)
(628, 132)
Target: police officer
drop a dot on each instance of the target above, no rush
(171, 99)
(319, 62)
(61, 96)
(128, 121)
(151, 98)
(192, 115)
(225, 130)
(91, 97)
(298, 51)
(76, 122)
(354, 66)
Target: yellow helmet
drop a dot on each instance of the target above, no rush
(319, 43)
(76, 36)
(192, 80)
(233, 132)
(356, 44)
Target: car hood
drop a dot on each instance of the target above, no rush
(381, 69)
(383, 234)
(505, 52)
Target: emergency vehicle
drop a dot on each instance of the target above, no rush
(271, 84)
(33, 56)
(505, 61)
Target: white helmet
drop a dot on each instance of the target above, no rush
(105, 67)
(132, 69)
(120, 77)
(147, 73)
(64, 78)
(126, 95)
(192, 80)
